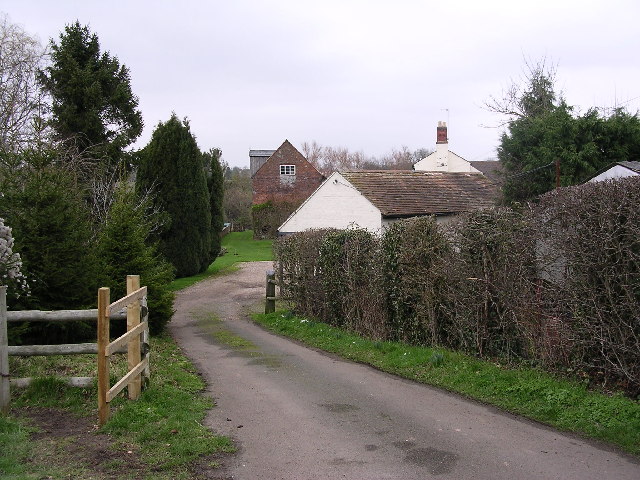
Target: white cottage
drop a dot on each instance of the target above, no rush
(372, 199)
(443, 159)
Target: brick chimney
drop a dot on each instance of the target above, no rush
(442, 148)
(442, 133)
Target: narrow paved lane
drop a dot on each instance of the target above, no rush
(299, 414)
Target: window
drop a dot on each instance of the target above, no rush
(287, 169)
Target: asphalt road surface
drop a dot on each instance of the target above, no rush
(296, 413)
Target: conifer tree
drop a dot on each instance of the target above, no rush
(215, 184)
(52, 230)
(93, 104)
(171, 167)
(124, 248)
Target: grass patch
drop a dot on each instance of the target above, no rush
(214, 326)
(165, 423)
(14, 445)
(240, 247)
(163, 428)
(564, 404)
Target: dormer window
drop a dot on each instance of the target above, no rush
(287, 169)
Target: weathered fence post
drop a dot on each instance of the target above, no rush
(103, 359)
(133, 347)
(5, 394)
(280, 279)
(146, 374)
(270, 304)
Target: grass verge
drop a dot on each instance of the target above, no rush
(14, 445)
(529, 392)
(240, 247)
(162, 430)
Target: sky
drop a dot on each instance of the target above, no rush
(371, 76)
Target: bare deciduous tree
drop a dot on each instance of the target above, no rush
(530, 95)
(312, 151)
(22, 102)
(331, 159)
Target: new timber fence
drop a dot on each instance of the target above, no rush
(135, 342)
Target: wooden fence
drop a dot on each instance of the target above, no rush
(135, 342)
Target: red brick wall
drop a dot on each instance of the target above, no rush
(269, 185)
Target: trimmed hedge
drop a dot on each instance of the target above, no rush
(555, 284)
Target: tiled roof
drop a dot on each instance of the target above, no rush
(405, 193)
(261, 153)
(635, 166)
(490, 169)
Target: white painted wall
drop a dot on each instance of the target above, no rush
(617, 171)
(335, 204)
(443, 160)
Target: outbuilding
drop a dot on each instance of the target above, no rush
(373, 199)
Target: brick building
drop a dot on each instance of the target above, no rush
(283, 176)
(281, 181)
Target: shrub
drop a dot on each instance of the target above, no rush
(414, 274)
(557, 285)
(11, 274)
(348, 265)
(298, 273)
(592, 236)
(47, 209)
(267, 217)
(491, 273)
(124, 249)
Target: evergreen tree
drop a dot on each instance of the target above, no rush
(93, 104)
(52, 230)
(171, 167)
(124, 249)
(543, 134)
(582, 145)
(215, 184)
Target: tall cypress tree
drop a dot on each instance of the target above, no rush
(215, 184)
(171, 167)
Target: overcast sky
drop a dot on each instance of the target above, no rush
(367, 75)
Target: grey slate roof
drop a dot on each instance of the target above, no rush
(406, 193)
(490, 169)
(635, 166)
(261, 153)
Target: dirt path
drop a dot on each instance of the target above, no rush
(299, 414)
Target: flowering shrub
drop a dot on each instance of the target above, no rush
(11, 274)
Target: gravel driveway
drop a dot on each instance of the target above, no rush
(296, 413)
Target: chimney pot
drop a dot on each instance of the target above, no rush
(441, 133)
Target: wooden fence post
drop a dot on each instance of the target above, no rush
(5, 394)
(146, 374)
(270, 304)
(133, 347)
(280, 279)
(103, 359)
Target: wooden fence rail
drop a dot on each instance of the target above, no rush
(135, 343)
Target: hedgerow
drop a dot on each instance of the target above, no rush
(555, 284)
